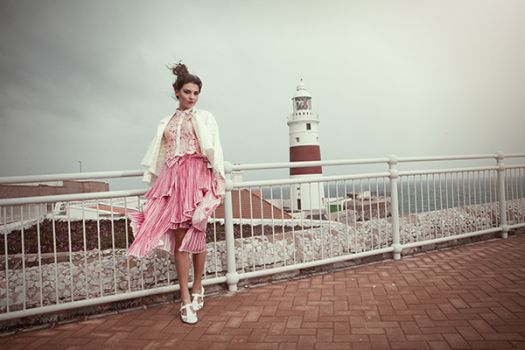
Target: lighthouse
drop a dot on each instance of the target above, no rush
(304, 146)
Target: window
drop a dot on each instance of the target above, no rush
(308, 126)
(298, 204)
(296, 139)
(302, 103)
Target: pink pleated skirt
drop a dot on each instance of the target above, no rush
(183, 196)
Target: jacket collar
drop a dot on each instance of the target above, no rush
(194, 111)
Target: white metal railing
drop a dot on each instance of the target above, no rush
(60, 259)
(70, 251)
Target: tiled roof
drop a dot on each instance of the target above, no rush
(260, 207)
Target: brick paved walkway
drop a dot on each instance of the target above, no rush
(469, 297)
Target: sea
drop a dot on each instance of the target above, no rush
(418, 193)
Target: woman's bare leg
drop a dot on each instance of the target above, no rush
(182, 265)
(199, 260)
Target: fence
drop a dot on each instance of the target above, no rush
(70, 252)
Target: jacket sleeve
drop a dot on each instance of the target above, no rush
(215, 154)
(152, 157)
(147, 160)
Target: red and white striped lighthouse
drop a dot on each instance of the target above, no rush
(304, 146)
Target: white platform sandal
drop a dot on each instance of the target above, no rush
(191, 314)
(197, 305)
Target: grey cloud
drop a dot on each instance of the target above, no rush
(404, 77)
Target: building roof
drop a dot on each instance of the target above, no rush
(301, 91)
(260, 208)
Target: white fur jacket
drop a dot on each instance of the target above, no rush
(207, 133)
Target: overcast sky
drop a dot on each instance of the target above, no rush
(87, 80)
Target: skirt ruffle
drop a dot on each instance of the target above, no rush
(183, 196)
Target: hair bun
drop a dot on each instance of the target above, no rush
(180, 69)
(183, 76)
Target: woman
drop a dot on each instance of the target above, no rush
(186, 173)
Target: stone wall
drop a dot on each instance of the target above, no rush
(106, 272)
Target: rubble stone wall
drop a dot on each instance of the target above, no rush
(81, 275)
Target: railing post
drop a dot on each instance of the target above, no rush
(501, 195)
(394, 206)
(232, 277)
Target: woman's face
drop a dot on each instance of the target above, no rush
(188, 95)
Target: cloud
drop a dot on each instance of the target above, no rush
(415, 78)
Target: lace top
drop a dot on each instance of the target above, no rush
(181, 139)
(179, 136)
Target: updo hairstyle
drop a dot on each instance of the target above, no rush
(183, 77)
